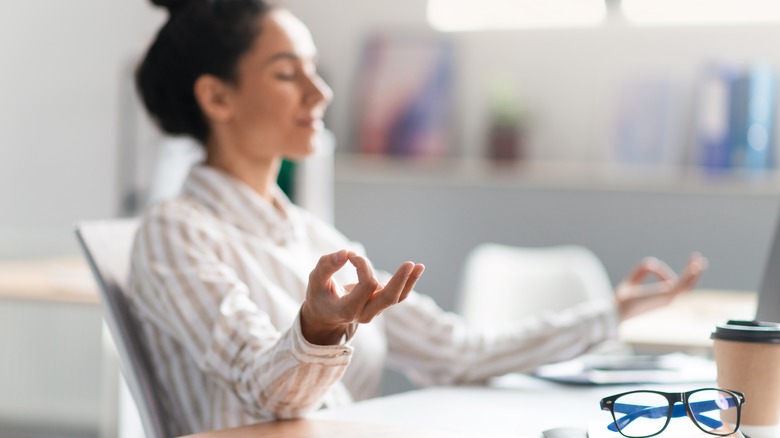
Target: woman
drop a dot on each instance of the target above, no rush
(247, 307)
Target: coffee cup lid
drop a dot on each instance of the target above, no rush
(748, 331)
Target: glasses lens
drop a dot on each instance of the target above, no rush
(641, 414)
(714, 411)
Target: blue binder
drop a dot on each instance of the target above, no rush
(714, 106)
(758, 135)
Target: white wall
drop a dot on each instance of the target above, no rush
(60, 64)
(60, 69)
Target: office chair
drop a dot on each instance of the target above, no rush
(504, 283)
(107, 245)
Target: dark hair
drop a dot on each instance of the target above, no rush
(200, 37)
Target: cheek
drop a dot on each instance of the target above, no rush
(264, 101)
(265, 110)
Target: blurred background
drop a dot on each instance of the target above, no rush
(633, 127)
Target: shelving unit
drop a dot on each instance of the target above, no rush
(552, 175)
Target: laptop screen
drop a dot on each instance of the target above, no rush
(769, 293)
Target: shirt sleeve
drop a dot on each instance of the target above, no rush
(434, 347)
(189, 293)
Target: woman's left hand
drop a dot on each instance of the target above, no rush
(635, 296)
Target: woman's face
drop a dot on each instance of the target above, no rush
(279, 99)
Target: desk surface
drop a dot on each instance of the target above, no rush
(520, 407)
(687, 322)
(309, 428)
(61, 280)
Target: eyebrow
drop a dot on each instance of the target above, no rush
(286, 56)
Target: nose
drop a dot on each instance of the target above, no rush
(320, 93)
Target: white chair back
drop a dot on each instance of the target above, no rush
(504, 283)
(107, 245)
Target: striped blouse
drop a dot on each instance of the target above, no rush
(217, 279)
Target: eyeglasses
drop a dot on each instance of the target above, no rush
(644, 413)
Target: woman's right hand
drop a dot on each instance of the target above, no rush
(329, 310)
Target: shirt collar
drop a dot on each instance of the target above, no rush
(236, 203)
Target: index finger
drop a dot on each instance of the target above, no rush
(391, 293)
(692, 272)
(411, 281)
(327, 265)
(366, 285)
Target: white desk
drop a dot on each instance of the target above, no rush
(517, 406)
(66, 281)
(520, 407)
(686, 323)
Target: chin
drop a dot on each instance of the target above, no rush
(302, 152)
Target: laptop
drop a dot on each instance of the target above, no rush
(768, 308)
(602, 369)
(620, 369)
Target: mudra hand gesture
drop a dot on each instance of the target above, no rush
(329, 310)
(634, 296)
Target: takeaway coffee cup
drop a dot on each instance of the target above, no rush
(747, 355)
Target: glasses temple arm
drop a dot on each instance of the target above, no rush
(634, 412)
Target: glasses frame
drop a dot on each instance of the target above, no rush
(608, 404)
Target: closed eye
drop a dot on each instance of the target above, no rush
(287, 76)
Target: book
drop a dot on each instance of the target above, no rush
(755, 110)
(649, 112)
(715, 125)
(735, 118)
(405, 96)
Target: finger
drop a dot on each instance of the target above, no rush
(412, 281)
(388, 295)
(327, 265)
(363, 268)
(367, 283)
(692, 272)
(698, 262)
(651, 266)
(688, 278)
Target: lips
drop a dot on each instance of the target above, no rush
(310, 122)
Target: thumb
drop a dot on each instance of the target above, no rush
(328, 265)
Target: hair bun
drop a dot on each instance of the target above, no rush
(173, 6)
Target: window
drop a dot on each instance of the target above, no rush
(693, 12)
(468, 15)
(471, 15)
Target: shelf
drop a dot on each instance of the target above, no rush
(549, 175)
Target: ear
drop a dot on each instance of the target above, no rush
(213, 97)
